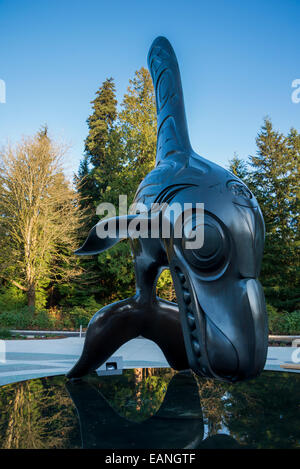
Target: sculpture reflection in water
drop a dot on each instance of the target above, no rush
(219, 327)
(177, 424)
(191, 412)
(151, 408)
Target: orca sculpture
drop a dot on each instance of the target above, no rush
(219, 327)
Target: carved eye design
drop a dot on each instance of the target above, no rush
(239, 190)
(214, 253)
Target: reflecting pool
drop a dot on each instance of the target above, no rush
(151, 408)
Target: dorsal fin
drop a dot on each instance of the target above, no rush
(172, 134)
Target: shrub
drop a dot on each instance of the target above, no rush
(80, 316)
(42, 320)
(17, 319)
(292, 322)
(5, 334)
(12, 298)
(273, 318)
(283, 322)
(26, 318)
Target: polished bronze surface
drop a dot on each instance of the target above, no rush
(219, 327)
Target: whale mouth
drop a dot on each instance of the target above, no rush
(230, 345)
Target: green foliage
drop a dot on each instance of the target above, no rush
(40, 217)
(292, 322)
(119, 152)
(52, 319)
(41, 297)
(42, 320)
(137, 394)
(282, 323)
(79, 316)
(260, 413)
(101, 122)
(103, 156)
(37, 414)
(117, 279)
(238, 167)
(27, 318)
(272, 421)
(20, 318)
(138, 130)
(11, 298)
(5, 334)
(274, 179)
(273, 176)
(164, 287)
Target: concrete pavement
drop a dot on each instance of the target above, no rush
(26, 359)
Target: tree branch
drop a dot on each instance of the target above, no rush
(14, 283)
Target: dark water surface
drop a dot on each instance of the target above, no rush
(151, 408)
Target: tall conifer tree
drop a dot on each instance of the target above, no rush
(274, 178)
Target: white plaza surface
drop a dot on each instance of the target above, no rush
(26, 359)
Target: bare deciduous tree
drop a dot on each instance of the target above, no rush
(39, 215)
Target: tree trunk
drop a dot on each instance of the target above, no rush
(31, 296)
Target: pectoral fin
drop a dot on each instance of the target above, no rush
(94, 245)
(106, 234)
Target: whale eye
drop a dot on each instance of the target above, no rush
(213, 251)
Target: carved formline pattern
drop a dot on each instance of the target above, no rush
(167, 141)
(167, 194)
(220, 327)
(155, 182)
(172, 137)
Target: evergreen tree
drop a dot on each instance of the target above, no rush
(119, 152)
(273, 176)
(238, 167)
(100, 123)
(274, 179)
(138, 130)
(96, 172)
(96, 168)
(293, 146)
(134, 150)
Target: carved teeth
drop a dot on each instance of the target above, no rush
(191, 320)
(196, 347)
(186, 297)
(181, 277)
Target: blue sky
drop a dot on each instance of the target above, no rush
(237, 60)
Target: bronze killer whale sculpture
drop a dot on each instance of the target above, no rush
(219, 328)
